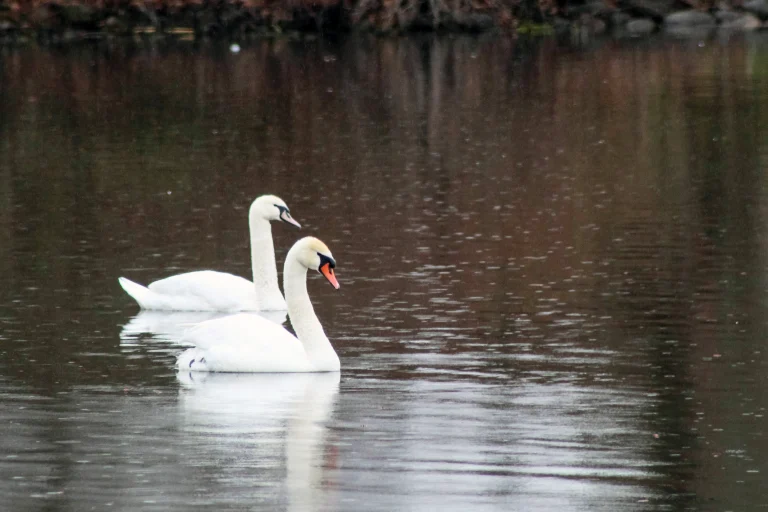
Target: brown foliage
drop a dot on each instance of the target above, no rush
(212, 17)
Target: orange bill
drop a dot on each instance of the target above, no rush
(329, 275)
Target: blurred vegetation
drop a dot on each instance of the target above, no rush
(62, 19)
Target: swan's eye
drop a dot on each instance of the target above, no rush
(326, 260)
(283, 209)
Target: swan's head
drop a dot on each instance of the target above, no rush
(314, 254)
(270, 208)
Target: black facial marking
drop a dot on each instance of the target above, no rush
(326, 259)
(202, 359)
(190, 363)
(283, 210)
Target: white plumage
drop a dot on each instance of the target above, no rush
(246, 342)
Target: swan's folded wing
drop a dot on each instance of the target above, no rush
(216, 290)
(250, 357)
(241, 329)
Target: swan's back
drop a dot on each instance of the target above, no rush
(206, 290)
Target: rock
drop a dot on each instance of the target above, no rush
(141, 15)
(726, 15)
(690, 19)
(208, 23)
(589, 23)
(246, 24)
(561, 25)
(79, 15)
(8, 26)
(114, 25)
(599, 26)
(743, 21)
(591, 7)
(231, 15)
(619, 19)
(45, 20)
(475, 22)
(757, 7)
(656, 9)
(638, 27)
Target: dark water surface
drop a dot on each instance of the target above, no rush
(553, 259)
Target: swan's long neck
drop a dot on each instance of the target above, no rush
(303, 318)
(263, 260)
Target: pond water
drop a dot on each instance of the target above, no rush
(553, 260)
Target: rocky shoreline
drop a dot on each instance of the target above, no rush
(641, 17)
(58, 21)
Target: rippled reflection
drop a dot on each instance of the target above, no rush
(257, 424)
(171, 325)
(224, 439)
(163, 325)
(460, 446)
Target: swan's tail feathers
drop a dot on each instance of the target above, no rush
(140, 294)
(192, 360)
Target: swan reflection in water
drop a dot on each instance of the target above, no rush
(258, 422)
(171, 325)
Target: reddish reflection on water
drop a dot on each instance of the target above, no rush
(552, 264)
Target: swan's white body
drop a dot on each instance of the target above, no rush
(245, 342)
(209, 290)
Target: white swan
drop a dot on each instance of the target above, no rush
(208, 290)
(249, 343)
